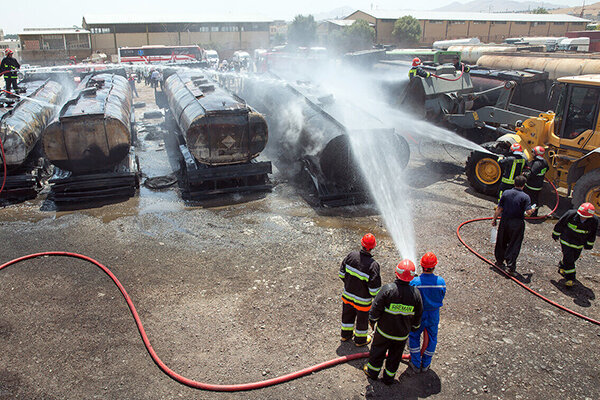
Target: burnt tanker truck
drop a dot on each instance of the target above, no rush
(90, 142)
(23, 118)
(218, 136)
(311, 132)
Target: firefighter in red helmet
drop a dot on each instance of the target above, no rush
(512, 166)
(10, 67)
(535, 172)
(575, 230)
(397, 311)
(433, 290)
(360, 274)
(416, 69)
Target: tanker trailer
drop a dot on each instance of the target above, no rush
(22, 121)
(219, 137)
(310, 135)
(90, 142)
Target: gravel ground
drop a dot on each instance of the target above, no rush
(249, 290)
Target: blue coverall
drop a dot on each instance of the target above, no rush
(433, 290)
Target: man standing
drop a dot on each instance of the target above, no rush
(576, 230)
(10, 66)
(360, 274)
(432, 289)
(397, 310)
(416, 69)
(536, 170)
(513, 206)
(512, 166)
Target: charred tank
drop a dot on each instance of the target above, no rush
(219, 128)
(92, 132)
(23, 119)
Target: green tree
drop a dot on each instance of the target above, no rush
(407, 30)
(360, 35)
(278, 39)
(540, 10)
(303, 30)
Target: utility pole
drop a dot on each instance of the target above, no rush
(582, 8)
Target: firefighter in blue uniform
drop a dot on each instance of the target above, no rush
(397, 310)
(512, 166)
(360, 274)
(576, 230)
(433, 290)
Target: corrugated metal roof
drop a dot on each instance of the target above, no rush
(53, 32)
(341, 22)
(474, 16)
(165, 19)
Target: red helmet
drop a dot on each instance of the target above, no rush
(405, 271)
(539, 151)
(586, 210)
(8, 51)
(416, 62)
(368, 241)
(428, 261)
(516, 147)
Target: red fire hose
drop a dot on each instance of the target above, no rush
(462, 71)
(518, 282)
(181, 379)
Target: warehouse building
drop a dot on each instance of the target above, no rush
(488, 27)
(225, 34)
(45, 46)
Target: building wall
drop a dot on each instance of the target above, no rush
(496, 31)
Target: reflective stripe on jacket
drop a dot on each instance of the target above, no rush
(362, 282)
(576, 232)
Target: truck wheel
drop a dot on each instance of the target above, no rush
(587, 190)
(483, 172)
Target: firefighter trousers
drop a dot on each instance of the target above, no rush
(11, 82)
(429, 322)
(503, 187)
(508, 242)
(379, 347)
(534, 195)
(349, 316)
(570, 255)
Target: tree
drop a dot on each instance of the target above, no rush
(302, 30)
(407, 30)
(540, 10)
(278, 39)
(360, 35)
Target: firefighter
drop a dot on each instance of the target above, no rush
(432, 289)
(576, 230)
(10, 67)
(511, 166)
(360, 274)
(397, 311)
(535, 172)
(460, 66)
(416, 69)
(513, 206)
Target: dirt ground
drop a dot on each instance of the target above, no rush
(248, 291)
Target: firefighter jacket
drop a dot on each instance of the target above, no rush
(360, 273)
(418, 71)
(9, 64)
(576, 232)
(512, 166)
(537, 169)
(397, 310)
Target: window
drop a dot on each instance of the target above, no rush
(581, 112)
(214, 29)
(559, 23)
(538, 23)
(520, 23)
(498, 22)
(456, 22)
(101, 30)
(435, 21)
(480, 22)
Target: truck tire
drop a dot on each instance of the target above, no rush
(587, 190)
(483, 171)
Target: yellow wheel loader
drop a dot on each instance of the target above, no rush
(571, 137)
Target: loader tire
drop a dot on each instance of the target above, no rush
(587, 190)
(483, 172)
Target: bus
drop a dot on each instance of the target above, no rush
(159, 54)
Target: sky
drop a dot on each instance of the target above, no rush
(66, 13)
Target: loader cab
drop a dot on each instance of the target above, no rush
(577, 112)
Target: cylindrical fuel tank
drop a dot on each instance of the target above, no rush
(219, 128)
(556, 67)
(92, 132)
(470, 54)
(22, 124)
